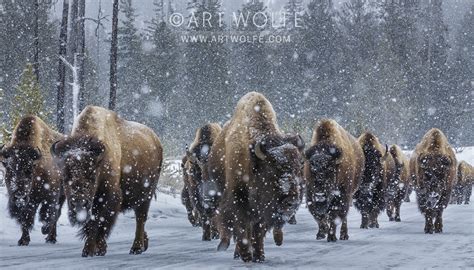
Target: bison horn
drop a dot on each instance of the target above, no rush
(53, 149)
(258, 151)
(387, 153)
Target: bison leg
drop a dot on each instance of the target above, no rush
(467, 193)
(206, 228)
(322, 228)
(397, 211)
(224, 222)
(141, 215)
(49, 214)
(438, 225)
(278, 236)
(27, 220)
(365, 221)
(243, 242)
(257, 243)
(292, 220)
(344, 235)
(428, 222)
(332, 231)
(373, 223)
(390, 212)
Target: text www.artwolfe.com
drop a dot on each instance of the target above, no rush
(234, 38)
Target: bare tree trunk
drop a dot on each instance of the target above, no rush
(36, 41)
(61, 67)
(81, 43)
(113, 57)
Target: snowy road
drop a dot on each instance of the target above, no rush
(174, 244)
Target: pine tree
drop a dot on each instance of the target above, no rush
(18, 21)
(129, 66)
(162, 70)
(27, 100)
(252, 66)
(324, 62)
(207, 82)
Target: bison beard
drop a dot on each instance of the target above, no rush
(434, 167)
(110, 165)
(33, 181)
(333, 170)
(260, 169)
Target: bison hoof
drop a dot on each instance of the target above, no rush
(136, 250)
(247, 257)
(236, 255)
(223, 245)
(51, 240)
(88, 253)
(429, 230)
(206, 238)
(391, 219)
(44, 229)
(398, 219)
(24, 241)
(363, 226)
(292, 220)
(258, 258)
(344, 237)
(320, 236)
(332, 238)
(466, 202)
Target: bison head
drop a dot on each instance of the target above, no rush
(279, 161)
(79, 160)
(434, 171)
(20, 162)
(323, 161)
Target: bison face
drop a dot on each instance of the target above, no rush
(434, 171)
(280, 160)
(323, 161)
(79, 160)
(20, 162)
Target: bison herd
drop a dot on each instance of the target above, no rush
(240, 181)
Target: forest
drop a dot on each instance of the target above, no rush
(393, 67)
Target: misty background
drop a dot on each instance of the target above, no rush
(395, 67)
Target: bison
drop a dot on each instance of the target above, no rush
(463, 188)
(379, 166)
(195, 167)
(398, 184)
(333, 170)
(32, 178)
(255, 177)
(433, 165)
(110, 165)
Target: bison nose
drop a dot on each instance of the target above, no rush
(80, 204)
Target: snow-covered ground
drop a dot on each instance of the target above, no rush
(174, 244)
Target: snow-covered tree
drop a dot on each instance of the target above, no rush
(27, 100)
(130, 71)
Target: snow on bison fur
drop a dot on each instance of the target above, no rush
(110, 165)
(433, 164)
(258, 171)
(333, 169)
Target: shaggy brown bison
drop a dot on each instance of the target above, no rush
(398, 184)
(433, 164)
(195, 167)
(110, 165)
(379, 166)
(261, 169)
(333, 169)
(32, 178)
(463, 188)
